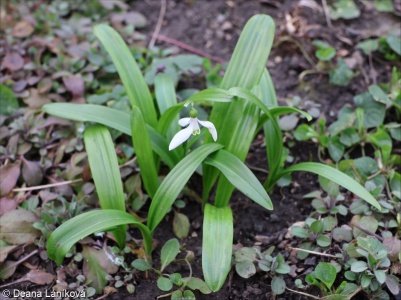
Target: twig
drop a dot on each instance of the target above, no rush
(326, 14)
(301, 293)
(16, 264)
(367, 231)
(158, 24)
(189, 48)
(39, 187)
(314, 252)
(257, 169)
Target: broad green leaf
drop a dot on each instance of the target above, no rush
(336, 176)
(359, 266)
(181, 225)
(169, 252)
(236, 122)
(143, 151)
(336, 148)
(130, 74)
(164, 284)
(196, 284)
(113, 118)
(174, 183)
(384, 5)
(141, 264)
(217, 245)
(368, 46)
(245, 269)
(325, 51)
(75, 229)
(342, 74)
(240, 176)
(368, 222)
(378, 94)
(395, 43)
(345, 9)
(374, 112)
(166, 98)
(326, 273)
(278, 285)
(106, 173)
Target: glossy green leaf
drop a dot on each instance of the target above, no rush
(326, 273)
(113, 118)
(105, 172)
(236, 122)
(166, 98)
(217, 245)
(144, 153)
(130, 74)
(175, 182)
(75, 229)
(336, 176)
(240, 176)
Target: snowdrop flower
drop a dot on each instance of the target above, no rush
(193, 128)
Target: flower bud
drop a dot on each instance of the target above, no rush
(193, 113)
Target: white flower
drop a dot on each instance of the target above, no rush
(193, 128)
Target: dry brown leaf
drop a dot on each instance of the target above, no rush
(36, 100)
(4, 251)
(7, 269)
(32, 172)
(39, 277)
(16, 227)
(7, 204)
(13, 62)
(75, 85)
(9, 176)
(22, 29)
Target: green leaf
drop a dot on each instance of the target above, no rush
(75, 229)
(395, 43)
(368, 46)
(359, 266)
(378, 94)
(374, 112)
(181, 225)
(234, 122)
(384, 5)
(143, 151)
(169, 252)
(380, 276)
(113, 118)
(174, 183)
(164, 284)
(323, 241)
(141, 264)
(8, 102)
(325, 51)
(189, 295)
(166, 98)
(326, 273)
(317, 227)
(336, 148)
(342, 74)
(92, 268)
(130, 74)
(336, 176)
(217, 245)
(196, 284)
(278, 285)
(240, 176)
(345, 9)
(106, 173)
(245, 269)
(299, 232)
(368, 222)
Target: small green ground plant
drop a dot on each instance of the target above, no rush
(244, 103)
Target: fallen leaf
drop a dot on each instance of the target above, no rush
(16, 227)
(393, 244)
(75, 85)
(7, 204)
(9, 176)
(36, 100)
(7, 269)
(13, 62)
(39, 277)
(4, 251)
(46, 196)
(22, 29)
(31, 172)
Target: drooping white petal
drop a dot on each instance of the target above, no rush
(184, 121)
(194, 125)
(210, 126)
(180, 137)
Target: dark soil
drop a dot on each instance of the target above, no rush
(214, 27)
